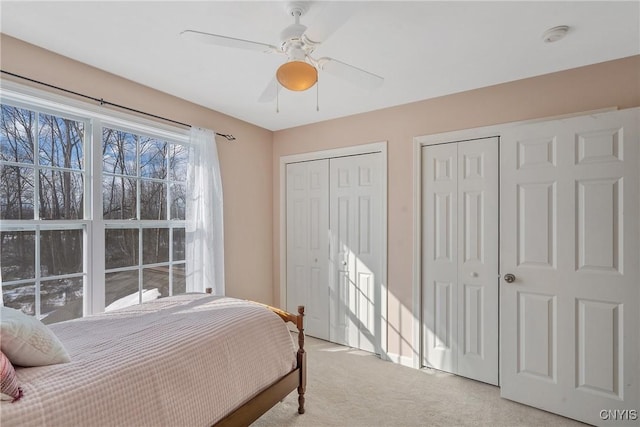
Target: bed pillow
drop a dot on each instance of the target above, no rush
(9, 389)
(26, 341)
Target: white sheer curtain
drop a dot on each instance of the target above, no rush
(204, 235)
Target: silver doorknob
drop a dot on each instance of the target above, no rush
(509, 278)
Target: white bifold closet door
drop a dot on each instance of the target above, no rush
(308, 243)
(460, 258)
(355, 222)
(334, 247)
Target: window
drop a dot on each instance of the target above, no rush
(65, 249)
(143, 193)
(42, 194)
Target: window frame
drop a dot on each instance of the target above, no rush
(94, 117)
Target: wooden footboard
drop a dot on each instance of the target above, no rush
(267, 398)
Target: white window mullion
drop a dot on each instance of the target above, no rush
(139, 216)
(148, 223)
(37, 273)
(138, 181)
(18, 282)
(170, 260)
(89, 168)
(60, 169)
(120, 175)
(12, 163)
(87, 292)
(167, 166)
(167, 182)
(95, 243)
(36, 167)
(140, 264)
(121, 269)
(52, 224)
(36, 211)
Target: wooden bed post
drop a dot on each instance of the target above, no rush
(302, 360)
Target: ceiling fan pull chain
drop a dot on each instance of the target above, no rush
(277, 97)
(318, 95)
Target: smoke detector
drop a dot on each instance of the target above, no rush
(554, 34)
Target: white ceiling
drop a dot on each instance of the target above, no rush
(423, 49)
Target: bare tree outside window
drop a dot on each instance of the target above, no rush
(17, 130)
(119, 163)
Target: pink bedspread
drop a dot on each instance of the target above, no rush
(178, 361)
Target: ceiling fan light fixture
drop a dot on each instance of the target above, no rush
(297, 75)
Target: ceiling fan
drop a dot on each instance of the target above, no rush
(297, 43)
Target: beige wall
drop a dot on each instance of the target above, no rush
(245, 164)
(615, 83)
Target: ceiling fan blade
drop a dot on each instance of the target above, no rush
(270, 92)
(354, 75)
(225, 41)
(333, 15)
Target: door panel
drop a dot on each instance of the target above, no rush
(600, 224)
(355, 223)
(599, 352)
(570, 235)
(440, 255)
(473, 324)
(477, 297)
(460, 258)
(307, 242)
(537, 218)
(537, 342)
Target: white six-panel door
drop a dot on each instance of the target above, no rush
(460, 258)
(308, 243)
(356, 241)
(570, 238)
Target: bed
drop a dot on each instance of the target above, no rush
(192, 359)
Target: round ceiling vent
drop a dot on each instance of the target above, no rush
(554, 34)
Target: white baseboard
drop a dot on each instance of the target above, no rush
(401, 360)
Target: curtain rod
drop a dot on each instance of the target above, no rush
(101, 101)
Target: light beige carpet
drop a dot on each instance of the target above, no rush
(347, 387)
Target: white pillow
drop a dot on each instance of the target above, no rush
(26, 341)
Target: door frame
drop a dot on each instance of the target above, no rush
(419, 142)
(354, 150)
